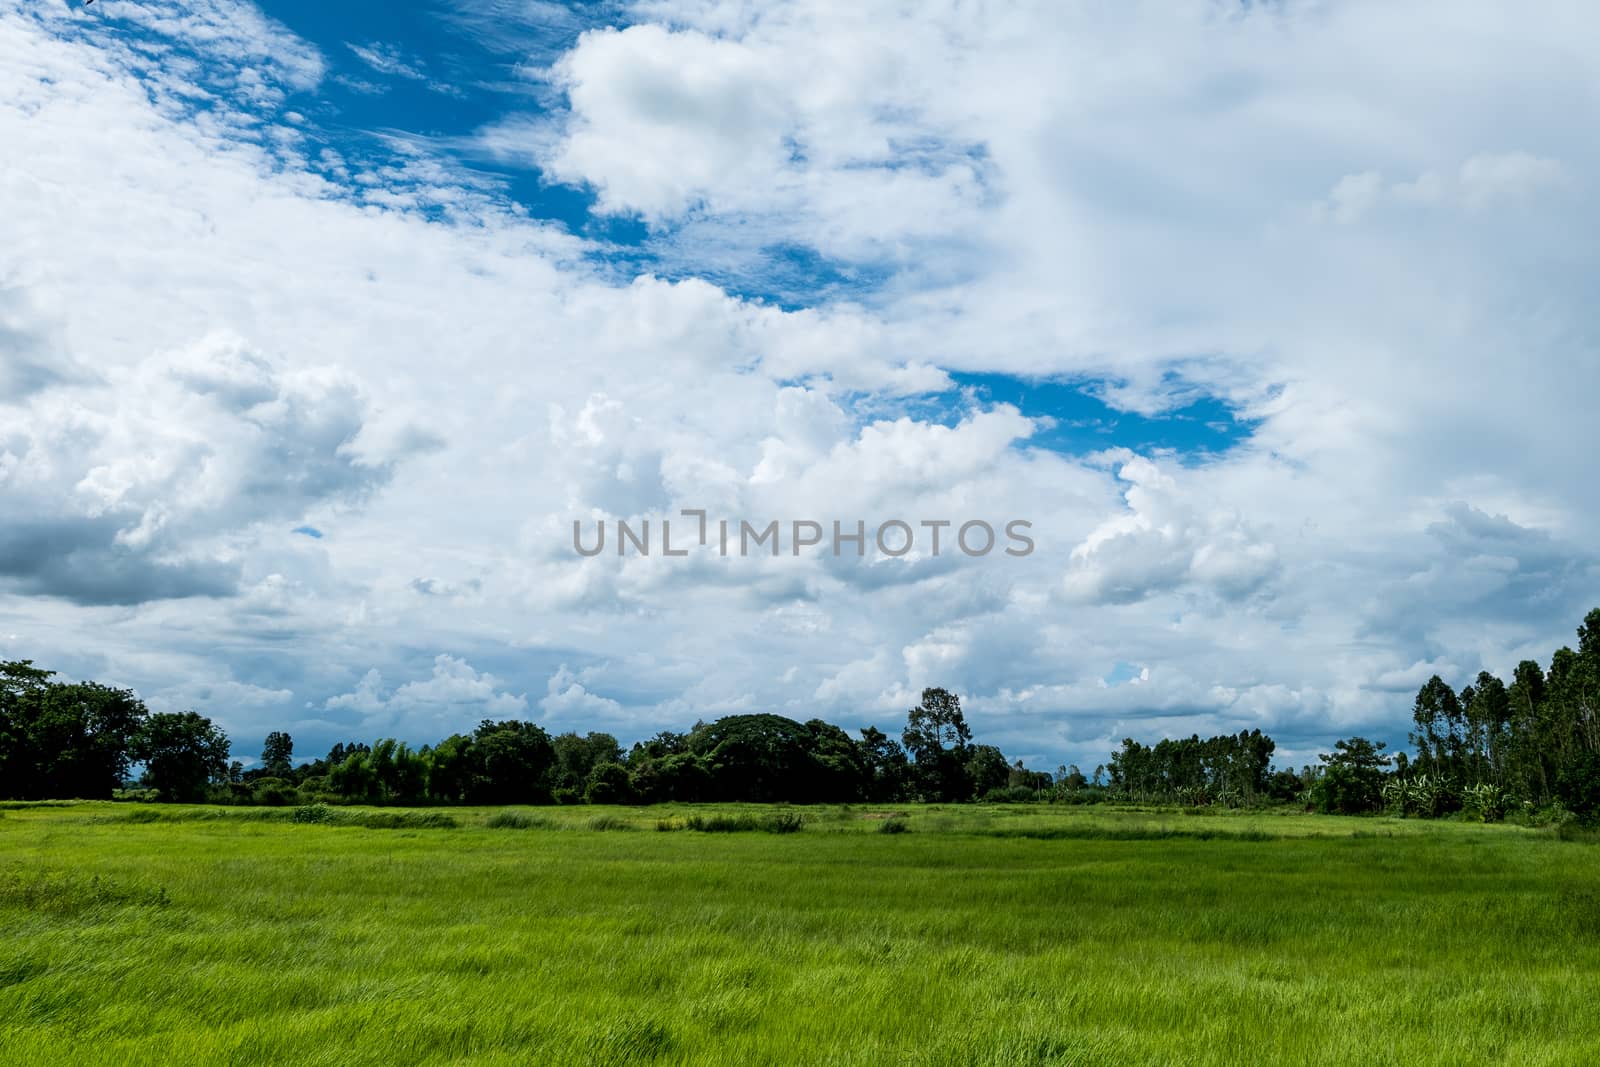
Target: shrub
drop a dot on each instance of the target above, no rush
(722, 824)
(784, 822)
(312, 813)
(515, 820)
(1012, 794)
(1485, 802)
(609, 822)
(1347, 791)
(274, 793)
(896, 825)
(608, 784)
(1578, 786)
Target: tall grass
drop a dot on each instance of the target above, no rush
(985, 936)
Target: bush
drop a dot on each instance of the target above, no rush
(312, 813)
(895, 825)
(515, 820)
(274, 793)
(608, 784)
(721, 824)
(1011, 794)
(1485, 802)
(1347, 791)
(1578, 786)
(609, 822)
(784, 822)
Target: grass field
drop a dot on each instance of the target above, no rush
(134, 935)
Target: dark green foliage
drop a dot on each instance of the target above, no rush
(511, 764)
(721, 824)
(1230, 769)
(783, 822)
(987, 770)
(515, 820)
(273, 792)
(1535, 741)
(608, 784)
(576, 758)
(1578, 786)
(277, 755)
(60, 740)
(888, 771)
(896, 825)
(1352, 783)
(940, 743)
(183, 754)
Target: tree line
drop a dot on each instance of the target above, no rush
(1488, 749)
(85, 740)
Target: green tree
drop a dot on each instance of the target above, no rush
(939, 741)
(987, 770)
(63, 740)
(512, 763)
(888, 770)
(277, 755)
(577, 756)
(183, 754)
(608, 783)
(1352, 781)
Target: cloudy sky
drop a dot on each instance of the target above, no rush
(320, 324)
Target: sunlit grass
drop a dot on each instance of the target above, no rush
(1003, 935)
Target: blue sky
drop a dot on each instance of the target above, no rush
(320, 324)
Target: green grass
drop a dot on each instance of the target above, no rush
(977, 936)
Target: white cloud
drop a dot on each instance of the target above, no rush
(213, 331)
(454, 699)
(566, 700)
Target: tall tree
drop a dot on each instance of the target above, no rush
(939, 741)
(277, 755)
(60, 739)
(182, 753)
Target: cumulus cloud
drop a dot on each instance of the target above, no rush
(566, 700)
(215, 331)
(1165, 540)
(455, 698)
(134, 488)
(1483, 181)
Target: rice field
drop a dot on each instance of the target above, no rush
(748, 935)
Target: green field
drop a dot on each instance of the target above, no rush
(1026, 935)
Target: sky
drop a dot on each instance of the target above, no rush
(320, 326)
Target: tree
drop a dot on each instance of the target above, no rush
(938, 739)
(888, 770)
(1437, 715)
(63, 740)
(277, 755)
(1352, 782)
(608, 784)
(987, 770)
(576, 756)
(512, 763)
(182, 754)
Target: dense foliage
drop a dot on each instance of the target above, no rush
(1488, 750)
